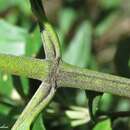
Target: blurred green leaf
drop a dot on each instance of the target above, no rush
(23, 5)
(105, 24)
(103, 125)
(17, 41)
(4, 109)
(78, 52)
(6, 85)
(81, 98)
(25, 84)
(107, 4)
(33, 43)
(106, 102)
(66, 19)
(96, 103)
(38, 124)
(123, 105)
(12, 39)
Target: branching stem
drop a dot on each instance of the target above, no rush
(68, 75)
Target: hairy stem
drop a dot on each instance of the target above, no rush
(68, 75)
(75, 77)
(38, 102)
(29, 67)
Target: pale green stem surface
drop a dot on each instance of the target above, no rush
(75, 77)
(39, 101)
(30, 67)
(68, 76)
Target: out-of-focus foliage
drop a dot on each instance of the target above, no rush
(91, 33)
(103, 125)
(38, 125)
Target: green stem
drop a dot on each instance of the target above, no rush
(49, 37)
(39, 101)
(75, 77)
(29, 67)
(68, 75)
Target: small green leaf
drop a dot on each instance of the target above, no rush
(106, 102)
(33, 43)
(4, 109)
(66, 19)
(25, 84)
(38, 124)
(22, 5)
(78, 52)
(103, 125)
(6, 85)
(105, 24)
(12, 39)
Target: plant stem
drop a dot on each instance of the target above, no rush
(68, 75)
(38, 102)
(75, 77)
(23, 66)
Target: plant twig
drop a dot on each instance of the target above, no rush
(48, 87)
(71, 76)
(30, 67)
(39, 101)
(68, 75)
